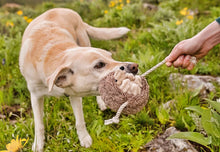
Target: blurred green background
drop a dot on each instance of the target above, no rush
(156, 27)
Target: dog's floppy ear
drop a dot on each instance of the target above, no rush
(62, 77)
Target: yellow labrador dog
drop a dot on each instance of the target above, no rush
(56, 59)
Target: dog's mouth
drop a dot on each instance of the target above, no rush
(131, 68)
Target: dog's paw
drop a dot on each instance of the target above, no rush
(102, 106)
(101, 103)
(86, 141)
(84, 137)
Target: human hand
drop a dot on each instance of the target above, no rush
(182, 53)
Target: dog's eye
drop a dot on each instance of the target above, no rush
(99, 65)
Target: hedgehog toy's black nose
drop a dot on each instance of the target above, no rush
(130, 68)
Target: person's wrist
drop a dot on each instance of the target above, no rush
(198, 39)
(209, 36)
(196, 44)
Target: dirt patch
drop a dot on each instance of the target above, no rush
(13, 112)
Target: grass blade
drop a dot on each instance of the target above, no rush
(197, 109)
(214, 104)
(192, 136)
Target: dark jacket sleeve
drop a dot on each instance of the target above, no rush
(218, 20)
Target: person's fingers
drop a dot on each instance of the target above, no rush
(172, 57)
(169, 64)
(191, 66)
(193, 62)
(186, 61)
(179, 61)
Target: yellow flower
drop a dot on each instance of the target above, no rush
(128, 1)
(119, 8)
(20, 12)
(15, 145)
(29, 20)
(111, 4)
(8, 23)
(184, 11)
(190, 17)
(25, 18)
(179, 22)
(172, 123)
(106, 11)
(120, 1)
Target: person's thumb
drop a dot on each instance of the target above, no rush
(172, 57)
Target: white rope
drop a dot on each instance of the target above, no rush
(193, 60)
(153, 68)
(115, 119)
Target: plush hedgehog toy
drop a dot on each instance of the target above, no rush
(125, 90)
(118, 87)
(126, 93)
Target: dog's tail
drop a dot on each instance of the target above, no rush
(106, 33)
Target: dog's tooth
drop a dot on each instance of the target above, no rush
(130, 76)
(133, 89)
(120, 77)
(125, 85)
(119, 81)
(138, 81)
(118, 74)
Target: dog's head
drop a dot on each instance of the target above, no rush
(84, 68)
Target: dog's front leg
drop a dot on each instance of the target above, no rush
(37, 104)
(101, 103)
(84, 137)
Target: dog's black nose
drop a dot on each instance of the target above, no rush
(132, 68)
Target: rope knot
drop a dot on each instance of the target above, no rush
(111, 121)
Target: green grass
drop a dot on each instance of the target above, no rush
(152, 37)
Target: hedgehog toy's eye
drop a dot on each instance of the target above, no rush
(99, 65)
